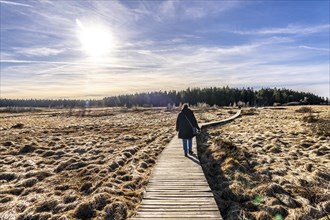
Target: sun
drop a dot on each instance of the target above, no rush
(96, 40)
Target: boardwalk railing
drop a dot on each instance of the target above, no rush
(214, 123)
(177, 188)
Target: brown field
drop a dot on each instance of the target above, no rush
(271, 163)
(94, 163)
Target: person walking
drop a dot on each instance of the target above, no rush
(186, 125)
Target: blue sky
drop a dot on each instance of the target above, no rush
(93, 49)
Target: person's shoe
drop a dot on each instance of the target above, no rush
(186, 155)
(191, 152)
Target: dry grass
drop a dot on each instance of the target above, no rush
(54, 166)
(269, 166)
(96, 164)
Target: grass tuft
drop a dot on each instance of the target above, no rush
(8, 176)
(84, 210)
(116, 211)
(46, 206)
(27, 149)
(304, 109)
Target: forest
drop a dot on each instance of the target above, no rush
(220, 96)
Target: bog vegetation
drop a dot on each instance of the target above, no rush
(272, 164)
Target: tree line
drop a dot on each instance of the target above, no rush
(220, 96)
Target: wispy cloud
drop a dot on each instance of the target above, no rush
(291, 29)
(168, 8)
(78, 63)
(39, 52)
(14, 3)
(165, 11)
(314, 48)
(198, 9)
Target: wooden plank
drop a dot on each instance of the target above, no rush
(178, 214)
(208, 214)
(178, 194)
(162, 203)
(182, 186)
(178, 190)
(179, 186)
(190, 209)
(165, 182)
(182, 183)
(177, 174)
(155, 206)
(181, 199)
(171, 218)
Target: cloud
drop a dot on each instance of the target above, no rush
(314, 48)
(290, 29)
(39, 52)
(5, 55)
(266, 62)
(196, 10)
(168, 8)
(14, 3)
(43, 72)
(82, 63)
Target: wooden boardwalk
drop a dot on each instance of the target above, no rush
(177, 188)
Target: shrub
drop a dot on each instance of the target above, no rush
(14, 109)
(304, 109)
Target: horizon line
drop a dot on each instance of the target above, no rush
(100, 97)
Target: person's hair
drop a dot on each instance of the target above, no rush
(185, 106)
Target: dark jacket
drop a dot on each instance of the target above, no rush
(182, 125)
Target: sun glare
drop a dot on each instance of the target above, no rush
(96, 40)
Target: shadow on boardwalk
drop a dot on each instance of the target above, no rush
(194, 158)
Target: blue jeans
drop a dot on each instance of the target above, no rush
(187, 143)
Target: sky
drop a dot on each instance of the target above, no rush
(93, 49)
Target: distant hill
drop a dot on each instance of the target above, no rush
(220, 96)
